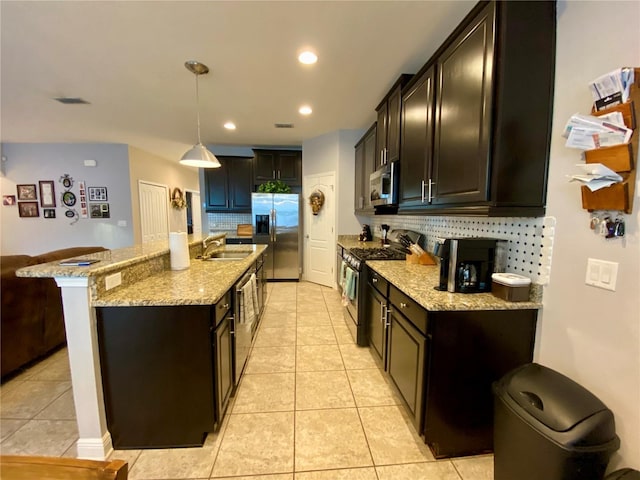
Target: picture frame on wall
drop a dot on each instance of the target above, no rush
(28, 209)
(8, 200)
(49, 213)
(99, 210)
(97, 194)
(47, 194)
(27, 192)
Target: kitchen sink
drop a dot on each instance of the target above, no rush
(228, 255)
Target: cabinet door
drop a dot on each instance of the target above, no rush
(217, 193)
(376, 319)
(240, 184)
(369, 164)
(289, 167)
(417, 140)
(393, 125)
(381, 138)
(264, 165)
(463, 114)
(224, 365)
(358, 197)
(406, 352)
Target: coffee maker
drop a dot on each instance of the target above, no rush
(466, 264)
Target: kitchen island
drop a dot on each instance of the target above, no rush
(133, 276)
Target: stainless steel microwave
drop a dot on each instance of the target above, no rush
(384, 185)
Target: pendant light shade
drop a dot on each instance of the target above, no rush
(198, 155)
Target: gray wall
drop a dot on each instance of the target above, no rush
(29, 163)
(590, 334)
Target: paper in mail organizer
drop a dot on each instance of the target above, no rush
(595, 176)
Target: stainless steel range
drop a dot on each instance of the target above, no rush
(353, 273)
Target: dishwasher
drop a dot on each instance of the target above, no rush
(245, 316)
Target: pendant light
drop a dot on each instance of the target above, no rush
(199, 156)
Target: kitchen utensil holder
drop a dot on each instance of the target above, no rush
(424, 259)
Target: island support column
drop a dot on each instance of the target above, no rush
(86, 378)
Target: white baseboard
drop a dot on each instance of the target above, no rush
(95, 448)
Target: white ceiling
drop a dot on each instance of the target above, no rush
(127, 59)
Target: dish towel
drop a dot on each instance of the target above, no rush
(247, 304)
(350, 286)
(343, 273)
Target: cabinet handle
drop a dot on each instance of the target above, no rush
(382, 156)
(422, 185)
(374, 280)
(403, 305)
(225, 306)
(278, 174)
(381, 312)
(431, 184)
(273, 174)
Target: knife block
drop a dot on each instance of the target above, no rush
(424, 259)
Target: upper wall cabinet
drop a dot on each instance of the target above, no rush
(365, 166)
(477, 118)
(284, 165)
(388, 123)
(228, 188)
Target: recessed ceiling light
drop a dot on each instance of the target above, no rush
(305, 110)
(230, 126)
(308, 58)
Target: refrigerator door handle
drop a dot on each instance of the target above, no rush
(273, 224)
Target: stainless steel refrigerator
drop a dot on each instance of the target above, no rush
(276, 222)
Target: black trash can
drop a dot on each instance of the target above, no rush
(546, 426)
(624, 474)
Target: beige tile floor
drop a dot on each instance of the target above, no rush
(311, 406)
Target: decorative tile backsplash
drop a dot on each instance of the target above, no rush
(227, 221)
(530, 240)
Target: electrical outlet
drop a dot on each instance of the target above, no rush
(602, 274)
(112, 281)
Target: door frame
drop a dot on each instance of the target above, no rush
(199, 217)
(306, 220)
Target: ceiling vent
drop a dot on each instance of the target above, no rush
(283, 125)
(72, 101)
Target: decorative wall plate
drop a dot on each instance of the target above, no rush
(69, 199)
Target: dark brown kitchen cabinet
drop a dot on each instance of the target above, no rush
(407, 345)
(158, 374)
(284, 165)
(376, 295)
(228, 188)
(388, 123)
(491, 125)
(167, 372)
(365, 155)
(224, 363)
(417, 139)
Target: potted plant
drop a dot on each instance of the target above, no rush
(274, 186)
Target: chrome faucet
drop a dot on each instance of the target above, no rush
(211, 242)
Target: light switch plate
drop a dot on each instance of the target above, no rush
(112, 281)
(602, 274)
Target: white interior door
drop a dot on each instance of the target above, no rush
(196, 212)
(154, 211)
(320, 241)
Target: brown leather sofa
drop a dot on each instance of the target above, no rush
(32, 322)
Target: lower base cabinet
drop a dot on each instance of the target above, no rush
(443, 364)
(167, 372)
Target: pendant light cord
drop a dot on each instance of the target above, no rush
(198, 109)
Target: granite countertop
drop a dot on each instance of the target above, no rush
(417, 281)
(110, 260)
(351, 241)
(203, 283)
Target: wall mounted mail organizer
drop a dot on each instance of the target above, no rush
(620, 158)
